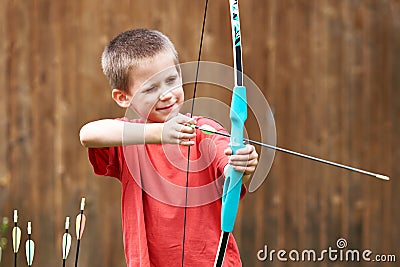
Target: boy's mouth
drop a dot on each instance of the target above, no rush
(165, 108)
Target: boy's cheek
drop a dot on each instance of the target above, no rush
(140, 109)
(142, 104)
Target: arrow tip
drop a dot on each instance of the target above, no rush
(383, 177)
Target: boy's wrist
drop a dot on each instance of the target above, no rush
(153, 133)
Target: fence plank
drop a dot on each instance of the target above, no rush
(328, 69)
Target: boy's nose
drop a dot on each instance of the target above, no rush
(167, 94)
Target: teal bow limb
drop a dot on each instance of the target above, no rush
(233, 181)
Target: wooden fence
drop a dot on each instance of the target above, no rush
(330, 72)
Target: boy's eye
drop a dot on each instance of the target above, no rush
(171, 80)
(150, 89)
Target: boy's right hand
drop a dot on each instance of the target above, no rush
(177, 131)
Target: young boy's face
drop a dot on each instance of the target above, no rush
(155, 86)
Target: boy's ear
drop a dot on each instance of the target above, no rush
(122, 98)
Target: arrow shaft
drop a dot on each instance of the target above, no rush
(328, 162)
(302, 155)
(77, 252)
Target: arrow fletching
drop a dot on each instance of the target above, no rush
(29, 246)
(205, 128)
(66, 245)
(66, 240)
(16, 236)
(30, 251)
(16, 233)
(80, 221)
(80, 225)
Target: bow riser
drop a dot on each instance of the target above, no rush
(233, 182)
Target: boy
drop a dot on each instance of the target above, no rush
(169, 218)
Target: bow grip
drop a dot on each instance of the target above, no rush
(233, 181)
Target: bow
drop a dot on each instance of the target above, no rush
(238, 116)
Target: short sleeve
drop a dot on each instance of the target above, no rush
(105, 161)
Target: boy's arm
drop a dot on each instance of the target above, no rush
(110, 132)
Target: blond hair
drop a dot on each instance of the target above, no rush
(130, 48)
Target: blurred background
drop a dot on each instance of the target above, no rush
(329, 70)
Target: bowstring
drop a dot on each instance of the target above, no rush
(191, 116)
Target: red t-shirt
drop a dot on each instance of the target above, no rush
(154, 195)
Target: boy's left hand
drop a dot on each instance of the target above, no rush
(245, 160)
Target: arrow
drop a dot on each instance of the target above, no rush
(80, 227)
(207, 129)
(16, 237)
(66, 242)
(29, 246)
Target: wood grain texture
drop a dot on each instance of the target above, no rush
(329, 70)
